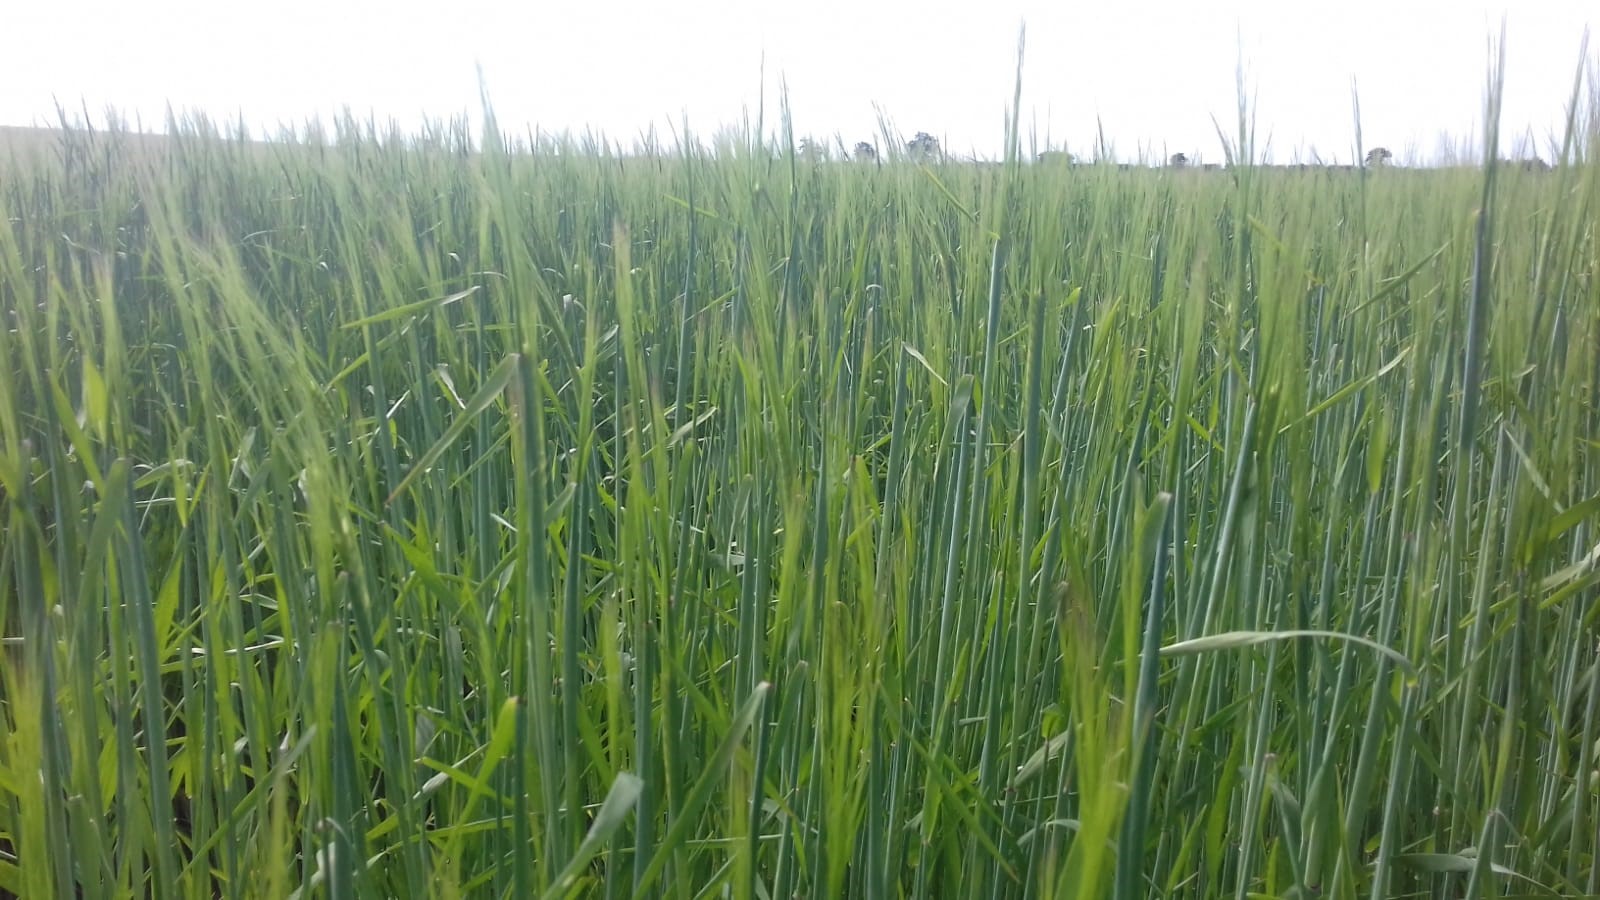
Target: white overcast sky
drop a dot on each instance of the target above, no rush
(1151, 74)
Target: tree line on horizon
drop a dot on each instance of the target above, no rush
(924, 146)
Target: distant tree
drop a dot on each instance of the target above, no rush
(1379, 156)
(1178, 160)
(812, 151)
(1058, 157)
(1527, 164)
(923, 145)
(865, 152)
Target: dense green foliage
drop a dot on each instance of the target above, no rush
(386, 519)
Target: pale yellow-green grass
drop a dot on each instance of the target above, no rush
(394, 519)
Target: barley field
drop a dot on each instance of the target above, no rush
(416, 517)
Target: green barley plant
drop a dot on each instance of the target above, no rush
(441, 514)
